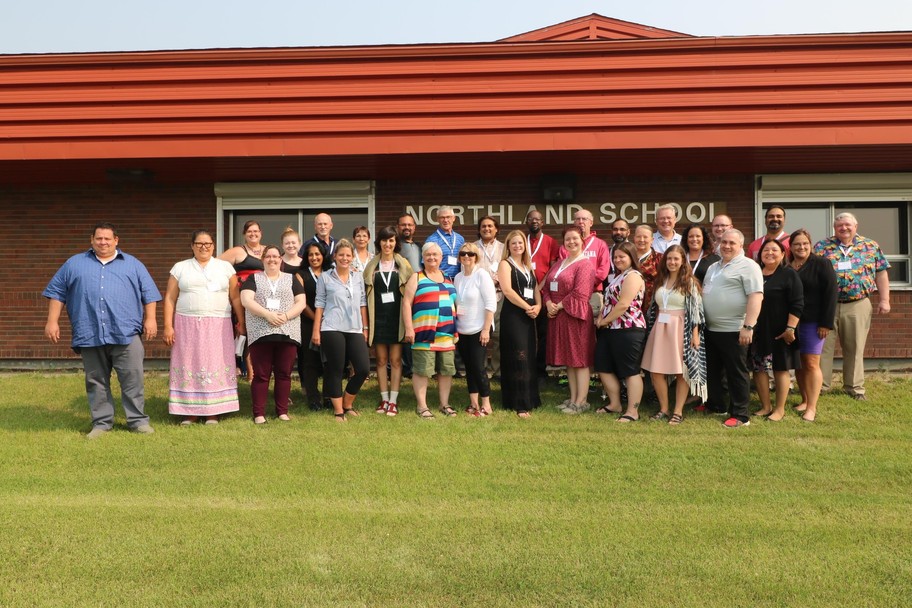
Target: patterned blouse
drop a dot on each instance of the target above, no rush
(649, 268)
(284, 290)
(855, 265)
(633, 316)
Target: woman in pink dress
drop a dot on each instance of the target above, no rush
(565, 291)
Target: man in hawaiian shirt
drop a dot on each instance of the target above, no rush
(861, 269)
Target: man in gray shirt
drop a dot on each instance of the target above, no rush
(411, 250)
(732, 295)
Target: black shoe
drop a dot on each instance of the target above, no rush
(315, 406)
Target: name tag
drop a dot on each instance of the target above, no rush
(553, 286)
(273, 304)
(528, 294)
(213, 286)
(844, 265)
(452, 260)
(664, 317)
(387, 297)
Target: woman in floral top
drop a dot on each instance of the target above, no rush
(621, 329)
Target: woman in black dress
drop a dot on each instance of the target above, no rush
(385, 277)
(817, 320)
(700, 254)
(522, 303)
(310, 365)
(775, 346)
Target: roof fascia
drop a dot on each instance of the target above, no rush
(432, 51)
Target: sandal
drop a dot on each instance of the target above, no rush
(447, 411)
(425, 413)
(391, 409)
(340, 417)
(626, 418)
(659, 416)
(350, 412)
(605, 409)
(524, 414)
(676, 419)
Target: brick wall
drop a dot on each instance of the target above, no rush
(44, 226)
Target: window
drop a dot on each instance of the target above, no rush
(879, 201)
(277, 205)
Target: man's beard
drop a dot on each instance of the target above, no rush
(775, 226)
(534, 228)
(618, 238)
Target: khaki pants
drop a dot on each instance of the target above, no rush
(853, 321)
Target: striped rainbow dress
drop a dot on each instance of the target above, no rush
(433, 315)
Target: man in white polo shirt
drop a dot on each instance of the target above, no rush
(665, 236)
(732, 295)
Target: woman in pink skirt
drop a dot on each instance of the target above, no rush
(675, 344)
(197, 314)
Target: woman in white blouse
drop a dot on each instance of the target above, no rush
(197, 315)
(476, 302)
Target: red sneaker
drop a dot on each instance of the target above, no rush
(734, 423)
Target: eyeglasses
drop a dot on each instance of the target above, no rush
(202, 245)
(467, 254)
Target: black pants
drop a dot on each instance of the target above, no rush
(310, 368)
(339, 347)
(726, 358)
(474, 355)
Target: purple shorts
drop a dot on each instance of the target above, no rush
(808, 342)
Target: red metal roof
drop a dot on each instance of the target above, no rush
(594, 27)
(686, 93)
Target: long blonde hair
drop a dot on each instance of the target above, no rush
(526, 258)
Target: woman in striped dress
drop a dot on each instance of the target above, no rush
(428, 311)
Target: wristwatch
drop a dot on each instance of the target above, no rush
(748, 327)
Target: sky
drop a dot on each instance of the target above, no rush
(54, 26)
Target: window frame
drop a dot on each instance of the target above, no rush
(833, 192)
(298, 196)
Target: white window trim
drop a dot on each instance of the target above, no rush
(355, 194)
(829, 188)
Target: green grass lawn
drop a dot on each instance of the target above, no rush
(554, 511)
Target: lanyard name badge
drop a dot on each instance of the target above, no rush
(528, 292)
(586, 252)
(273, 303)
(553, 285)
(387, 297)
(537, 247)
(847, 253)
(664, 317)
(452, 258)
(211, 284)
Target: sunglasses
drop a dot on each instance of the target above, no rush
(467, 254)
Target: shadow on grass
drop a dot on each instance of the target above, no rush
(46, 418)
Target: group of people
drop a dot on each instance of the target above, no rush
(689, 310)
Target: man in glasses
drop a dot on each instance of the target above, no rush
(448, 240)
(543, 250)
(720, 224)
